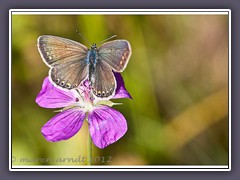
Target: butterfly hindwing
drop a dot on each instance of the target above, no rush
(70, 74)
(115, 53)
(103, 81)
(66, 58)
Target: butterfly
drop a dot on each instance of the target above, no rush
(71, 63)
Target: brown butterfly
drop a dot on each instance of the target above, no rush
(71, 63)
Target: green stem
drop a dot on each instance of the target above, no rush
(89, 149)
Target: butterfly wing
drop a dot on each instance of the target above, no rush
(103, 81)
(116, 54)
(66, 58)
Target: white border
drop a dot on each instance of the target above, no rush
(131, 12)
(121, 11)
(122, 168)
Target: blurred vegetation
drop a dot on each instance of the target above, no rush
(177, 76)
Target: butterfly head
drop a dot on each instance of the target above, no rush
(94, 46)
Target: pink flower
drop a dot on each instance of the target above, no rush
(106, 125)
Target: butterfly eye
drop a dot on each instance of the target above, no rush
(62, 83)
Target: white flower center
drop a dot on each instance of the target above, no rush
(82, 100)
(86, 103)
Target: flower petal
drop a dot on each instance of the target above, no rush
(53, 97)
(64, 125)
(106, 126)
(121, 91)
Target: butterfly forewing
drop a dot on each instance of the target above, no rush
(55, 50)
(103, 81)
(66, 58)
(116, 54)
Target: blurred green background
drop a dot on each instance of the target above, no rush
(177, 76)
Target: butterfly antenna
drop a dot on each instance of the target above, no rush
(83, 37)
(107, 39)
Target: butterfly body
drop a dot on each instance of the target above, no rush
(92, 63)
(71, 63)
